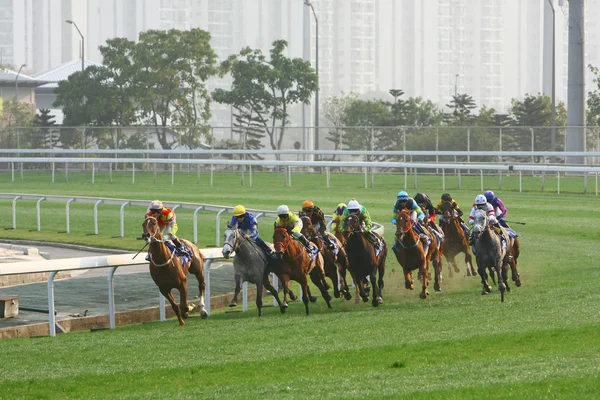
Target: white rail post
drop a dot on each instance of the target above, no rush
(162, 312)
(443, 179)
(195, 223)
(207, 284)
(68, 214)
(96, 216)
(172, 174)
(14, 211)
(276, 286)
(53, 171)
(218, 227)
(245, 296)
(122, 215)
(51, 317)
(111, 298)
(481, 179)
(12, 169)
(327, 177)
(132, 173)
(39, 212)
(93, 173)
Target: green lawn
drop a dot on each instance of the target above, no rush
(542, 342)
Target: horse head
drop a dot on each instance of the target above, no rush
(447, 211)
(281, 241)
(403, 224)
(308, 229)
(232, 240)
(353, 224)
(480, 222)
(151, 229)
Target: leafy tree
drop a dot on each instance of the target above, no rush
(14, 116)
(333, 110)
(45, 136)
(462, 105)
(534, 111)
(364, 116)
(420, 112)
(268, 87)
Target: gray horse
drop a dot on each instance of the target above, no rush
(488, 252)
(249, 264)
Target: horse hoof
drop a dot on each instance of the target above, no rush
(422, 295)
(203, 314)
(407, 285)
(347, 296)
(488, 288)
(181, 323)
(379, 300)
(185, 315)
(232, 304)
(365, 299)
(337, 295)
(484, 292)
(313, 299)
(437, 288)
(518, 283)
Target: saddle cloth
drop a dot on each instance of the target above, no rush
(185, 255)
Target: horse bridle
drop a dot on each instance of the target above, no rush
(287, 239)
(152, 238)
(405, 231)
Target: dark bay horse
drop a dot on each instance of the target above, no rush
(249, 264)
(169, 273)
(488, 252)
(334, 262)
(295, 264)
(411, 254)
(363, 263)
(455, 241)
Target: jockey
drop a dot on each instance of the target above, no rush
(167, 222)
(354, 208)
(500, 210)
(293, 224)
(424, 202)
(482, 204)
(457, 211)
(404, 202)
(337, 217)
(317, 218)
(245, 222)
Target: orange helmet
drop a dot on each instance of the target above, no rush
(308, 204)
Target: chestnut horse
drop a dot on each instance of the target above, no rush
(362, 261)
(512, 254)
(295, 264)
(455, 241)
(249, 264)
(410, 253)
(169, 273)
(335, 263)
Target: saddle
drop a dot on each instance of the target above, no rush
(184, 254)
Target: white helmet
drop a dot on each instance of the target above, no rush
(480, 199)
(283, 210)
(353, 205)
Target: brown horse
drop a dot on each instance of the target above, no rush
(410, 253)
(510, 261)
(434, 256)
(169, 273)
(334, 262)
(455, 241)
(295, 264)
(363, 263)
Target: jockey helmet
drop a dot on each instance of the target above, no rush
(446, 197)
(489, 195)
(402, 196)
(340, 208)
(353, 205)
(156, 205)
(283, 210)
(420, 198)
(307, 204)
(239, 210)
(480, 199)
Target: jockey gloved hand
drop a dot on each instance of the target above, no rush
(500, 215)
(394, 221)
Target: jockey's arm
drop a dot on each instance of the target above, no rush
(367, 220)
(472, 216)
(296, 222)
(503, 210)
(456, 207)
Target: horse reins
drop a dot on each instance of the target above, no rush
(154, 239)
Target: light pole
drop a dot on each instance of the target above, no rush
(456, 85)
(553, 135)
(82, 42)
(17, 81)
(308, 3)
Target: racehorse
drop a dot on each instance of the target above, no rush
(362, 260)
(434, 254)
(455, 241)
(334, 261)
(295, 264)
(488, 252)
(512, 254)
(168, 272)
(249, 264)
(411, 254)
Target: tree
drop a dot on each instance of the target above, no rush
(268, 87)
(361, 118)
(333, 110)
(45, 135)
(14, 116)
(171, 70)
(462, 105)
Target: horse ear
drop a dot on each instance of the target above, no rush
(228, 225)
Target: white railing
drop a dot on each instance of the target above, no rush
(109, 261)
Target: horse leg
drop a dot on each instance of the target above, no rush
(469, 262)
(197, 270)
(437, 271)
(319, 280)
(305, 292)
(408, 279)
(484, 276)
(267, 284)
(342, 262)
(501, 284)
(259, 292)
(169, 296)
(376, 297)
(285, 282)
(424, 270)
(238, 289)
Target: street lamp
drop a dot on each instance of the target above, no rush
(17, 81)
(553, 135)
(308, 3)
(82, 42)
(456, 85)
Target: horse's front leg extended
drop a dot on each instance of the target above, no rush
(305, 292)
(377, 300)
(484, 276)
(267, 284)
(501, 275)
(259, 293)
(408, 279)
(424, 270)
(238, 288)
(169, 296)
(285, 282)
(469, 263)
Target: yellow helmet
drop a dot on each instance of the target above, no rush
(239, 210)
(340, 208)
(308, 204)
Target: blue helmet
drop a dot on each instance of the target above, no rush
(489, 195)
(402, 195)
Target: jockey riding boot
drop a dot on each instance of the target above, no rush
(328, 241)
(310, 247)
(471, 239)
(178, 244)
(148, 257)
